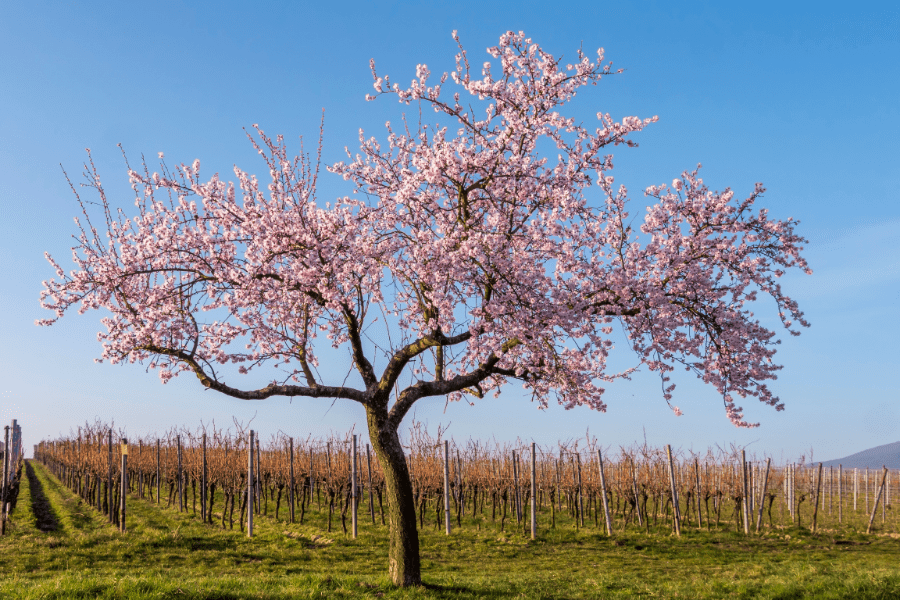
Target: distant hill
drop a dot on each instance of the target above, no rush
(873, 458)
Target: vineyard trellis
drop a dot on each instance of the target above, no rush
(639, 488)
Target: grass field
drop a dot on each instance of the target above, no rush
(60, 548)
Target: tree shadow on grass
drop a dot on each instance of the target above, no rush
(44, 514)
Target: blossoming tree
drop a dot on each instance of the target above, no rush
(493, 261)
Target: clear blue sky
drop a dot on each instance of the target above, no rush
(803, 99)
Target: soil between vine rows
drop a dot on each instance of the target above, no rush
(171, 555)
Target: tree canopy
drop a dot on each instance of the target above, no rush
(511, 264)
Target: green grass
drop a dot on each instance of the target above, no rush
(166, 554)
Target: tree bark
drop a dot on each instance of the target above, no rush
(403, 550)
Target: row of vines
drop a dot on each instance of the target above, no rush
(475, 484)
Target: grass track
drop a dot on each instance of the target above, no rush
(167, 554)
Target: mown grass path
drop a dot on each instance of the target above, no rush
(44, 515)
(166, 554)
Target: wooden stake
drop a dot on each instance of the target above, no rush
(203, 502)
(533, 493)
(818, 494)
(180, 476)
(312, 478)
(140, 469)
(124, 485)
(867, 489)
(877, 498)
(353, 494)
(745, 502)
(258, 486)
(699, 501)
(516, 487)
(250, 486)
(673, 490)
(446, 488)
(292, 482)
(762, 495)
(608, 520)
(840, 493)
(580, 505)
(369, 468)
(157, 471)
(109, 480)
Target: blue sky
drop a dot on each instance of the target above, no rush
(805, 102)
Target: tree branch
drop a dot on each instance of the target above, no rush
(318, 391)
(402, 357)
(423, 389)
(362, 363)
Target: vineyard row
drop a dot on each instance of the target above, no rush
(637, 488)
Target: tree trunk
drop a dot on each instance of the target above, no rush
(403, 550)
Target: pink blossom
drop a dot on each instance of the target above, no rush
(515, 263)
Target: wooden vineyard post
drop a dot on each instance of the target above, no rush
(791, 495)
(258, 487)
(110, 511)
(795, 517)
(762, 495)
(520, 490)
(751, 492)
(786, 485)
(533, 493)
(328, 482)
(157, 471)
(140, 468)
(79, 488)
(180, 487)
(203, 502)
(745, 503)
(606, 516)
(353, 487)
(124, 484)
(98, 497)
(291, 488)
(830, 488)
(867, 489)
(840, 493)
(446, 487)
(673, 490)
(887, 495)
(887, 489)
(369, 472)
(580, 499)
(877, 498)
(461, 505)
(558, 499)
(699, 501)
(250, 487)
(312, 478)
(818, 494)
(516, 488)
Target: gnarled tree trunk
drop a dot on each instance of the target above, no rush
(403, 551)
